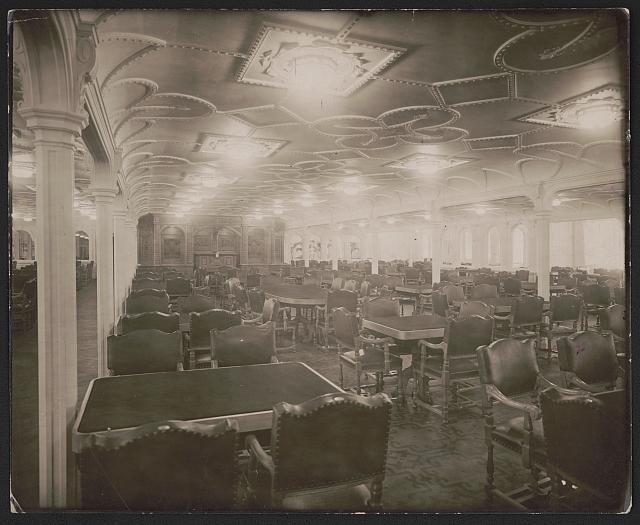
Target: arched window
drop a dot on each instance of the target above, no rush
(23, 247)
(466, 246)
(518, 247)
(296, 248)
(172, 245)
(494, 246)
(82, 246)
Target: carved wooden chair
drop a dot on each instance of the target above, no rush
(141, 284)
(272, 312)
(178, 287)
(587, 440)
(525, 321)
(144, 351)
(564, 315)
(589, 361)
(324, 314)
(470, 308)
(412, 276)
(364, 353)
(596, 298)
(484, 291)
(199, 339)
(253, 280)
(192, 303)
(440, 304)
(167, 323)
(452, 362)
(454, 293)
(327, 454)
(229, 301)
(165, 466)
(243, 345)
(337, 283)
(510, 376)
(138, 304)
(512, 286)
(256, 301)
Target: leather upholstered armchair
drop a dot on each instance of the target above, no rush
(144, 351)
(151, 321)
(243, 345)
(199, 340)
(138, 304)
(327, 454)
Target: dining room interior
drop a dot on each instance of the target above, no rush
(319, 261)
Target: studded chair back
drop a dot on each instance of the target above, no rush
(565, 307)
(345, 324)
(522, 275)
(179, 466)
(329, 440)
(342, 298)
(411, 275)
(612, 319)
(178, 286)
(375, 280)
(202, 323)
(439, 303)
(510, 365)
(141, 284)
(194, 303)
(590, 356)
(256, 300)
(570, 283)
(587, 441)
(167, 323)
(527, 311)
(380, 307)
(484, 291)
(148, 291)
(243, 345)
(144, 351)
(150, 275)
(337, 283)
(469, 308)
(253, 280)
(512, 286)
(138, 304)
(392, 282)
(463, 336)
(597, 295)
(453, 293)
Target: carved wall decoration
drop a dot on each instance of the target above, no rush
(227, 240)
(173, 245)
(256, 245)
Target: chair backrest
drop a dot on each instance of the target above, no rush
(619, 295)
(365, 288)
(463, 336)
(202, 323)
(510, 365)
(148, 291)
(613, 319)
(243, 345)
(167, 323)
(141, 284)
(345, 324)
(270, 310)
(350, 285)
(337, 283)
(376, 280)
(194, 303)
(484, 291)
(150, 275)
(342, 298)
(380, 307)
(587, 441)
(527, 310)
(469, 308)
(411, 274)
(439, 303)
(512, 286)
(332, 439)
(596, 294)
(163, 466)
(178, 285)
(144, 351)
(392, 281)
(522, 275)
(570, 283)
(453, 293)
(253, 280)
(138, 304)
(256, 300)
(590, 356)
(566, 307)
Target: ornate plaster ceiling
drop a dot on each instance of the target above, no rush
(435, 105)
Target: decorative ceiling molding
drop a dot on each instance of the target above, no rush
(278, 51)
(428, 163)
(475, 90)
(231, 145)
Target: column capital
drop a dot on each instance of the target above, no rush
(53, 125)
(120, 215)
(103, 195)
(542, 214)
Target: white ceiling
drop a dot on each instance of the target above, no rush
(474, 93)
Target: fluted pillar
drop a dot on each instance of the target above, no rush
(543, 260)
(55, 132)
(104, 198)
(120, 255)
(578, 243)
(437, 227)
(132, 260)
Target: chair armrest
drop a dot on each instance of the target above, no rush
(256, 320)
(532, 410)
(585, 386)
(256, 450)
(562, 390)
(432, 346)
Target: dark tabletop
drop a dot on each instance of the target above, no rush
(410, 322)
(132, 400)
(297, 292)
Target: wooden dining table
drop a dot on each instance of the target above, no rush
(303, 298)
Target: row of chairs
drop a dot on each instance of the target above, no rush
(315, 462)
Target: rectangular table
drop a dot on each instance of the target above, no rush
(413, 289)
(243, 393)
(407, 328)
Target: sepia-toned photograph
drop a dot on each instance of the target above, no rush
(319, 261)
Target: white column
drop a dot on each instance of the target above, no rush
(411, 247)
(578, 243)
(375, 252)
(132, 262)
(542, 244)
(532, 248)
(505, 246)
(57, 335)
(305, 248)
(121, 249)
(436, 250)
(104, 261)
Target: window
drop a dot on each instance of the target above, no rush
(604, 244)
(494, 246)
(172, 244)
(518, 247)
(466, 246)
(24, 249)
(82, 246)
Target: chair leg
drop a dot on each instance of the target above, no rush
(357, 378)
(341, 373)
(489, 487)
(445, 391)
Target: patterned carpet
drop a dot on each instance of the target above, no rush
(431, 467)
